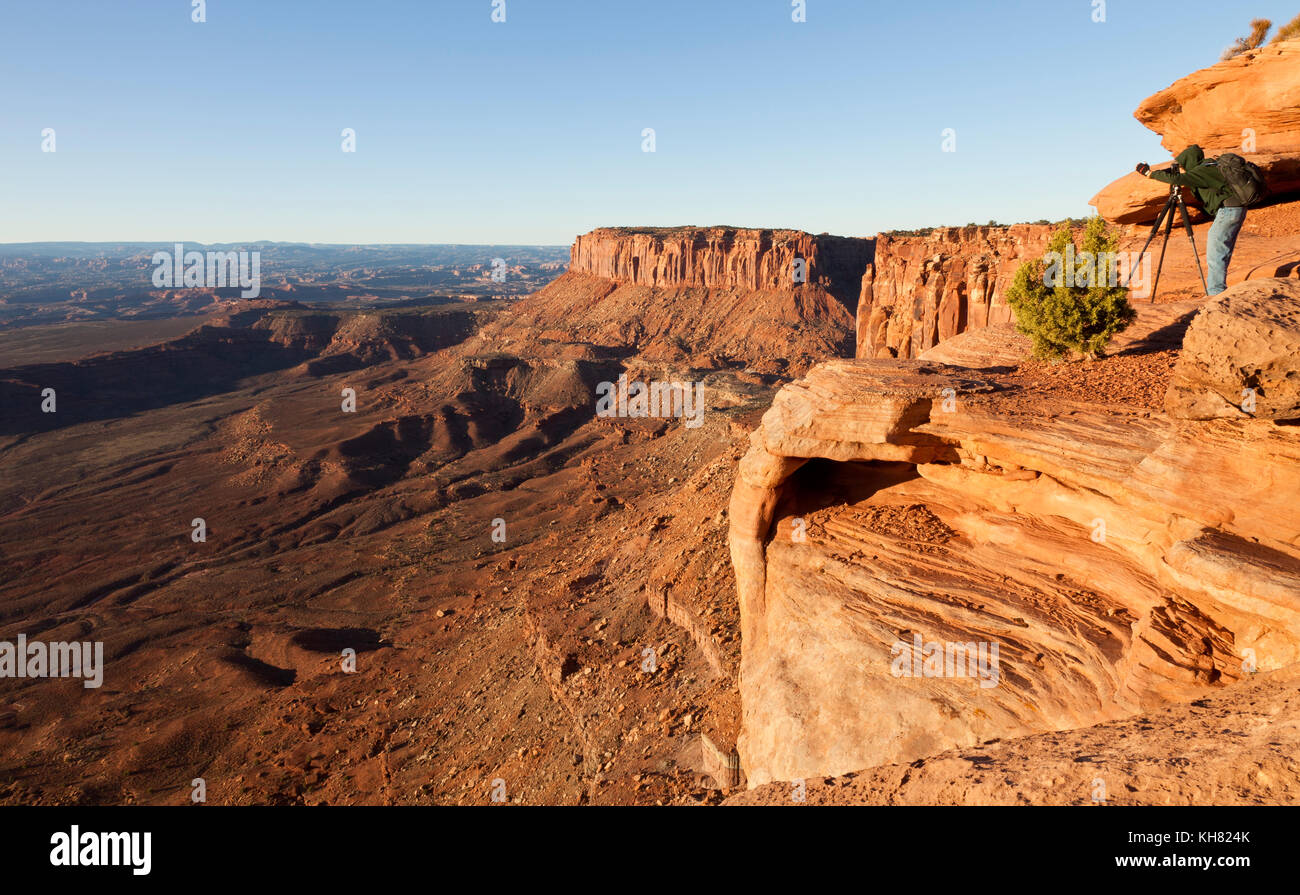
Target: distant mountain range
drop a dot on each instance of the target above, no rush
(52, 282)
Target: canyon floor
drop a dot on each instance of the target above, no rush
(477, 660)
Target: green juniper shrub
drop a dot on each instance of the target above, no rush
(1070, 302)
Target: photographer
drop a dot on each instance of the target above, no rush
(1219, 201)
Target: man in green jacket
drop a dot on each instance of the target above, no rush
(1219, 201)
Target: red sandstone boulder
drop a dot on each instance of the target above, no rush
(1241, 356)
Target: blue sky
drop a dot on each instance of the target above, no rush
(529, 131)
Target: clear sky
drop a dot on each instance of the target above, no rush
(529, 131)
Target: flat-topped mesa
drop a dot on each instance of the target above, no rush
(723, 258)
(921, 290)
(776, 301)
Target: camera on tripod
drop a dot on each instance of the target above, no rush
(1173, 204)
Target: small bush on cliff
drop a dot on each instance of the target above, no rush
(1289, 31)
(922, 231)
(1070, 301)
(1252, 41)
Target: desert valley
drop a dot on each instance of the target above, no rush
(365, 539)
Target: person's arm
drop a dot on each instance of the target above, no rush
(1166, 176)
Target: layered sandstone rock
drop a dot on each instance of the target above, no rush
(1241, 356)
(1236, 746)
(921, 290)
(1116, 560)
(1249, 104)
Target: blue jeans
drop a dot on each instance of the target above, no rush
(1222, 240)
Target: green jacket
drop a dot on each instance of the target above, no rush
(1204, 180)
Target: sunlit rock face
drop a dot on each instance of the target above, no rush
(926, 559)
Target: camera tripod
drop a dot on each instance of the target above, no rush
(1166, 217)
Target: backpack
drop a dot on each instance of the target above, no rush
(1245, 178)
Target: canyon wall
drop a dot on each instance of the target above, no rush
(722, 258)
(921, 290)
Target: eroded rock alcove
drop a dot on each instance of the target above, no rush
(1117, 558)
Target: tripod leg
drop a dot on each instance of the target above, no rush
(1191, 235)
(1155, 228)
(1169, 229)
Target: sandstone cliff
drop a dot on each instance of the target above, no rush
(1118, 558)
(921, 290)
(1249, 104)
(722, 258)
(709, 297)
